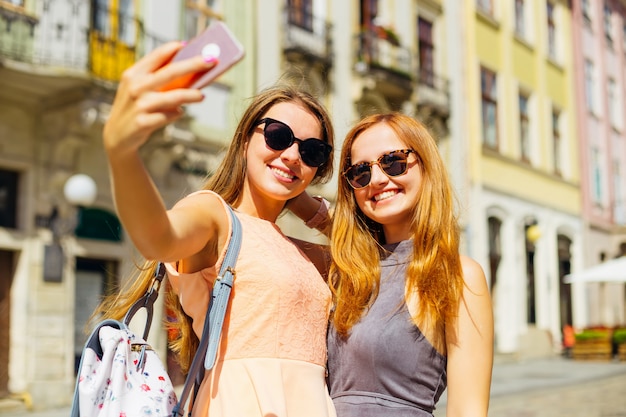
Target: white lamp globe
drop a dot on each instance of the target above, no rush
(80, 190)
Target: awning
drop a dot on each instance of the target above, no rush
(609, 271)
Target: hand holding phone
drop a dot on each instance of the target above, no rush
(216, 41)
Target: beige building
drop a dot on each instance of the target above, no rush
(61, 245)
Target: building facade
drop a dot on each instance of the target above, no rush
(60, 62)
(599, 32)
(525, 200)
(496, 82)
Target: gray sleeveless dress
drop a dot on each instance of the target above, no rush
(386, 367)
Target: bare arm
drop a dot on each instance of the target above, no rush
(138, 110)
(311, 209)
(470, 359)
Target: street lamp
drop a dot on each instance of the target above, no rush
(80, 190)
(533, 233)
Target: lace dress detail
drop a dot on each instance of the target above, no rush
(273, 348)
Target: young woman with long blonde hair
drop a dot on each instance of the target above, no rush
(412, 316)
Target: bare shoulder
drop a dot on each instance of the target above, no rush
(200, 226)
(202, 207)
(473, 274)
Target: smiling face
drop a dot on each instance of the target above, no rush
(390, 201)
(276, 176)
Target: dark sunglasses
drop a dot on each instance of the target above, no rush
(279, 136)
(392, 164)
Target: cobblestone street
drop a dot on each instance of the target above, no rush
(595, 398)
(549, 387)
(593, 390)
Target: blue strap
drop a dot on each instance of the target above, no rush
(221, 292)
(214, 319)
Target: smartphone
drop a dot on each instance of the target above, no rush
(216, 40)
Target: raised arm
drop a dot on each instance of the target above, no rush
(138, 110)
(470, 353)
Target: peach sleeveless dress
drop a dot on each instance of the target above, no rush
(272, 355)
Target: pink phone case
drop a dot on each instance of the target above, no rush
(218, 41)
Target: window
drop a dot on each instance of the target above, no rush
(198, 15)
(619, 207)
(589, 85)
(126, 22)
(485, 6)
(426, 52)
(114, 19)
(301, 13)
(8, 198)
(556, 142)
(596, 176)
(369, 11)
(586, 9)
(524, 125)
(520, 19)
(614, 105)
(551, 31)
(607, 24)
(489, 108)
(100, 17)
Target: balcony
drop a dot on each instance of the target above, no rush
(433, 91)
(67, 46)
(387, 63)
(433, 100)
(307, 38)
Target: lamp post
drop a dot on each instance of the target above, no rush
(80, 190)
(532, 234)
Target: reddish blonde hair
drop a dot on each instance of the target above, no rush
(434, 273)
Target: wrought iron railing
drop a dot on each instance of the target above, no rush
(73, 37)
(432, 88)
(307, 33)
(379, 52)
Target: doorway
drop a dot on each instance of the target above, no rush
(6, 279)
(95, 278)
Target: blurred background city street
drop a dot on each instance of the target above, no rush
(525, 99)
(548, 387)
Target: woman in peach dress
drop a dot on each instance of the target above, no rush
(272, 355)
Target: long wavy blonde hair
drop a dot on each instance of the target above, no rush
(227, 181)
(434, 275)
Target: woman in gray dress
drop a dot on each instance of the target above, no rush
(412, 316)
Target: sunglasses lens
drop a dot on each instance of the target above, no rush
(393, 164)
(314, 152)
(359, 175)
(278, 136)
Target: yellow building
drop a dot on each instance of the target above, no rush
(524, 167)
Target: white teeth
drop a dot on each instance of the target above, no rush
(386, 194)
(282, 173)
